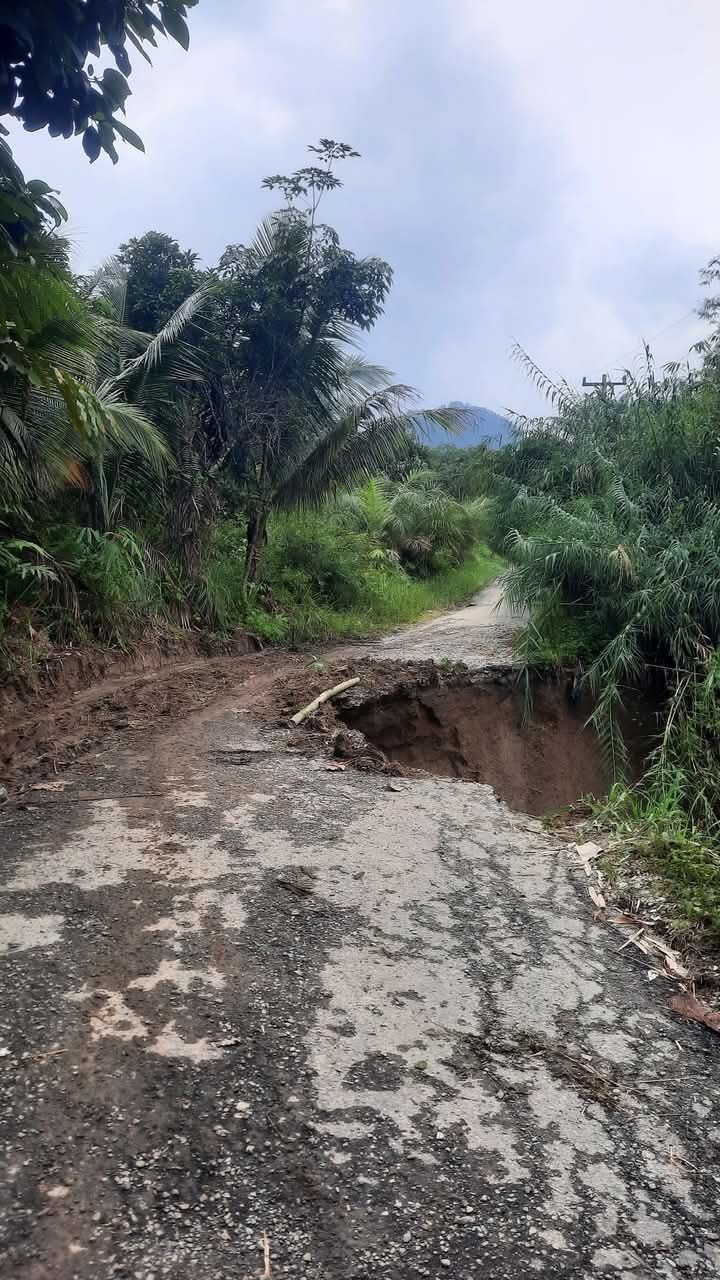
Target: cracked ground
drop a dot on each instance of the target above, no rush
(371, 1018)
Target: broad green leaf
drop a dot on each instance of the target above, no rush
(115, 87)
(128, 135)
(175, 25)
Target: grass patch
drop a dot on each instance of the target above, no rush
(322, 582)
(388, 598)
(660, 860)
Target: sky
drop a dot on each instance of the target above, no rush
(535, 172)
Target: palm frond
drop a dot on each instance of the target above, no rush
(367, 440)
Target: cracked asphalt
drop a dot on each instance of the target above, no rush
(371, 1018)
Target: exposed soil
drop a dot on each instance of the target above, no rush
(474, 730)
(52, 673)
(402, 717)
(46, 726)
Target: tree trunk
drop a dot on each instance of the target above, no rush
(256, 535)
(187, 514)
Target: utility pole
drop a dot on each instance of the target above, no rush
(605, 383)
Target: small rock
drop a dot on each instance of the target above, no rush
(586, 852)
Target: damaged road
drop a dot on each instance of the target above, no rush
(369, 1016)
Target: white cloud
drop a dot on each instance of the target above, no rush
(625, 96)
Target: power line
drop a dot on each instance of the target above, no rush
(630, 351)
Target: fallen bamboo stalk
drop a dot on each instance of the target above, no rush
(322, 697)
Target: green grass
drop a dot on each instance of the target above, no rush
(323, 582)
(680, 865)
(388, 598)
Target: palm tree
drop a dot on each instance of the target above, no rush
(57, 414)
(292, 411)
(416, 519)
(374, 432)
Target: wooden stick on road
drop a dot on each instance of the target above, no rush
(322, 697)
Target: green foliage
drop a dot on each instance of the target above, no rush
(614, 521)
(415, 521)
(286, 406)
(115, 591)
(610, 516)
(463, 473)
(312, 555)
(160, 276)
(321, 581)
(79, 393)
(27, 209)
(677, 862)
(120, 450)
(371, 596)
(46, 81)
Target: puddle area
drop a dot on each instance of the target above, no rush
(476, 732)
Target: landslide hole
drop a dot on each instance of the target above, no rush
(475, 731)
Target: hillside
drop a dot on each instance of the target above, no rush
(481, 424)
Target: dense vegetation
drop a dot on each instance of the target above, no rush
(609, 512)
(208, 447)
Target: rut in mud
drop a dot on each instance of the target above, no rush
(477, 731)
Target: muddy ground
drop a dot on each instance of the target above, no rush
(364, 1011)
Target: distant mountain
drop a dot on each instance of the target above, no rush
(479, 424)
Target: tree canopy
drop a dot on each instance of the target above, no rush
(46, 81)
(160, 275)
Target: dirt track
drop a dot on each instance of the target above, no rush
(478, 635)
(370, 1016)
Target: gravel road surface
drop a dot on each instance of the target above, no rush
(478, 635)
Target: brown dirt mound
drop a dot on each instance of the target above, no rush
(59, 672)
(74, 701)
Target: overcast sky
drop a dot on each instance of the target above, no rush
(540, 171)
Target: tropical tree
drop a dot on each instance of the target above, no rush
(82, 396)
(287, 409)
(303, 416)
(28, 209)
(417, 519)
(160, 276)
(56, 412)
(611, 516)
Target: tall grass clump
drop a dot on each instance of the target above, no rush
(609, 513)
